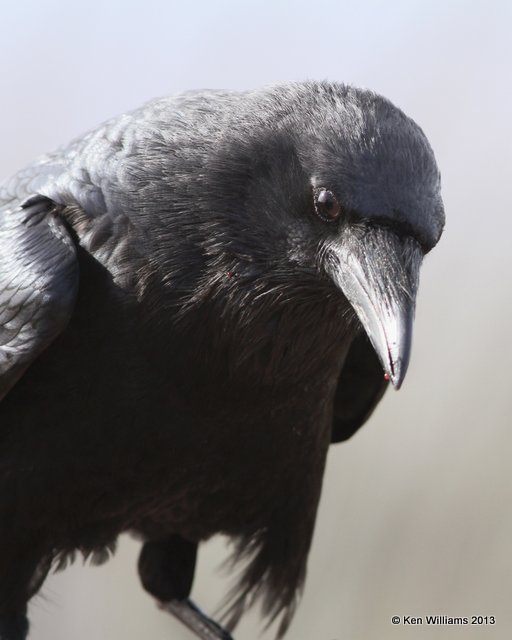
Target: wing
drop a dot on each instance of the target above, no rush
(360, 387)
(38, 282)
(69, 195)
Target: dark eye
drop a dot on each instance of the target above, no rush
(327, 205)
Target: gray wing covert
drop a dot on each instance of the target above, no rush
(38, 283)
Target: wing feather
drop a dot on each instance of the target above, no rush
(38, 283)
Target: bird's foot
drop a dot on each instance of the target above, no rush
(197, 621)
(13, 626)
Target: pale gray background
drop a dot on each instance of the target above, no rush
(415, 515)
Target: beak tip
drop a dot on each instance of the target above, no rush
(396, 374)
(396, 382)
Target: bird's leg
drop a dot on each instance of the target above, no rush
(13, 624)
(19, 580)
(166, 569)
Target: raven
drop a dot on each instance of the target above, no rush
(196, 299)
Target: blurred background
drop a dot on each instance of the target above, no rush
(415, 517)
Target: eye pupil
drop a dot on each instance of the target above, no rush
(327, 205)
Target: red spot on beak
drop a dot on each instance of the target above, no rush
(386, 377)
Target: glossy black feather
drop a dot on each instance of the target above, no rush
(360, 388)
(38, 283)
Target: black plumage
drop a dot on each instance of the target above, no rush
(195, 300)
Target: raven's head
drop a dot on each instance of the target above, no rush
(338, 180)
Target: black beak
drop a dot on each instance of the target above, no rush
(378, 273)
